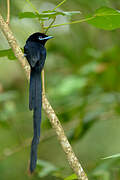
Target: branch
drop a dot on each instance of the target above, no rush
(8, 12)
(43, 82)
(73, 161)
(10, 151)
(73, 22)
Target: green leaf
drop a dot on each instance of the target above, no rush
(7, 53)
(70, 13)
(46, 14)
(45, 168)
(27, 15)
(71, 177)
(113, 156)
(105, 18)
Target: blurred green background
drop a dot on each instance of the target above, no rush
(82, 73)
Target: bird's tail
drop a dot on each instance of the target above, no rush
(35, 103)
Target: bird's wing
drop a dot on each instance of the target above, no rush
(32, 51)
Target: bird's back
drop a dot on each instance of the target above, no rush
(35, 53)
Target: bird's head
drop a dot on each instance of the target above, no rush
(39, 37)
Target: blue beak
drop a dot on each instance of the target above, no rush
(46, 38)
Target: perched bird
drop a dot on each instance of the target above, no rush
(35, 53)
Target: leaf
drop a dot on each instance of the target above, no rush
(113, 156)
(46, 14)
(71, 177)
(7, 53)
(45, 168)
(27, 15)
(105, 18)
(70, 13)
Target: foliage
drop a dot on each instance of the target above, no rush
(46, 15)
(7, 53)
(71, 177)
(106, 18)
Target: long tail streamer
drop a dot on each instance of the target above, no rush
(35, 104)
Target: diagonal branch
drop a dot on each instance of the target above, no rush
(72, 159)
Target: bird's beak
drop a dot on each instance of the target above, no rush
(46, 38)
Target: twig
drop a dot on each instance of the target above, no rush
(73, 22)
(43, 72)
(8, 12)
(32, 6)
(43, 82)
(50, 25)
(42, 26)
(10, 151)
(73, 161)
(59, 5)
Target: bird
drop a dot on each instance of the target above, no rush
(35, 53)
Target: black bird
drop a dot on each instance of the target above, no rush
(35, 53)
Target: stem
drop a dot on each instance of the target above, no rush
(50, 25)
(59, 5)
(43, 72)
(42, 26)
(72, 159)
(73, 22)
(33, 7)
(43, 82)
(8, 12)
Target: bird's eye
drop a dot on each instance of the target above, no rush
(40, 38)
